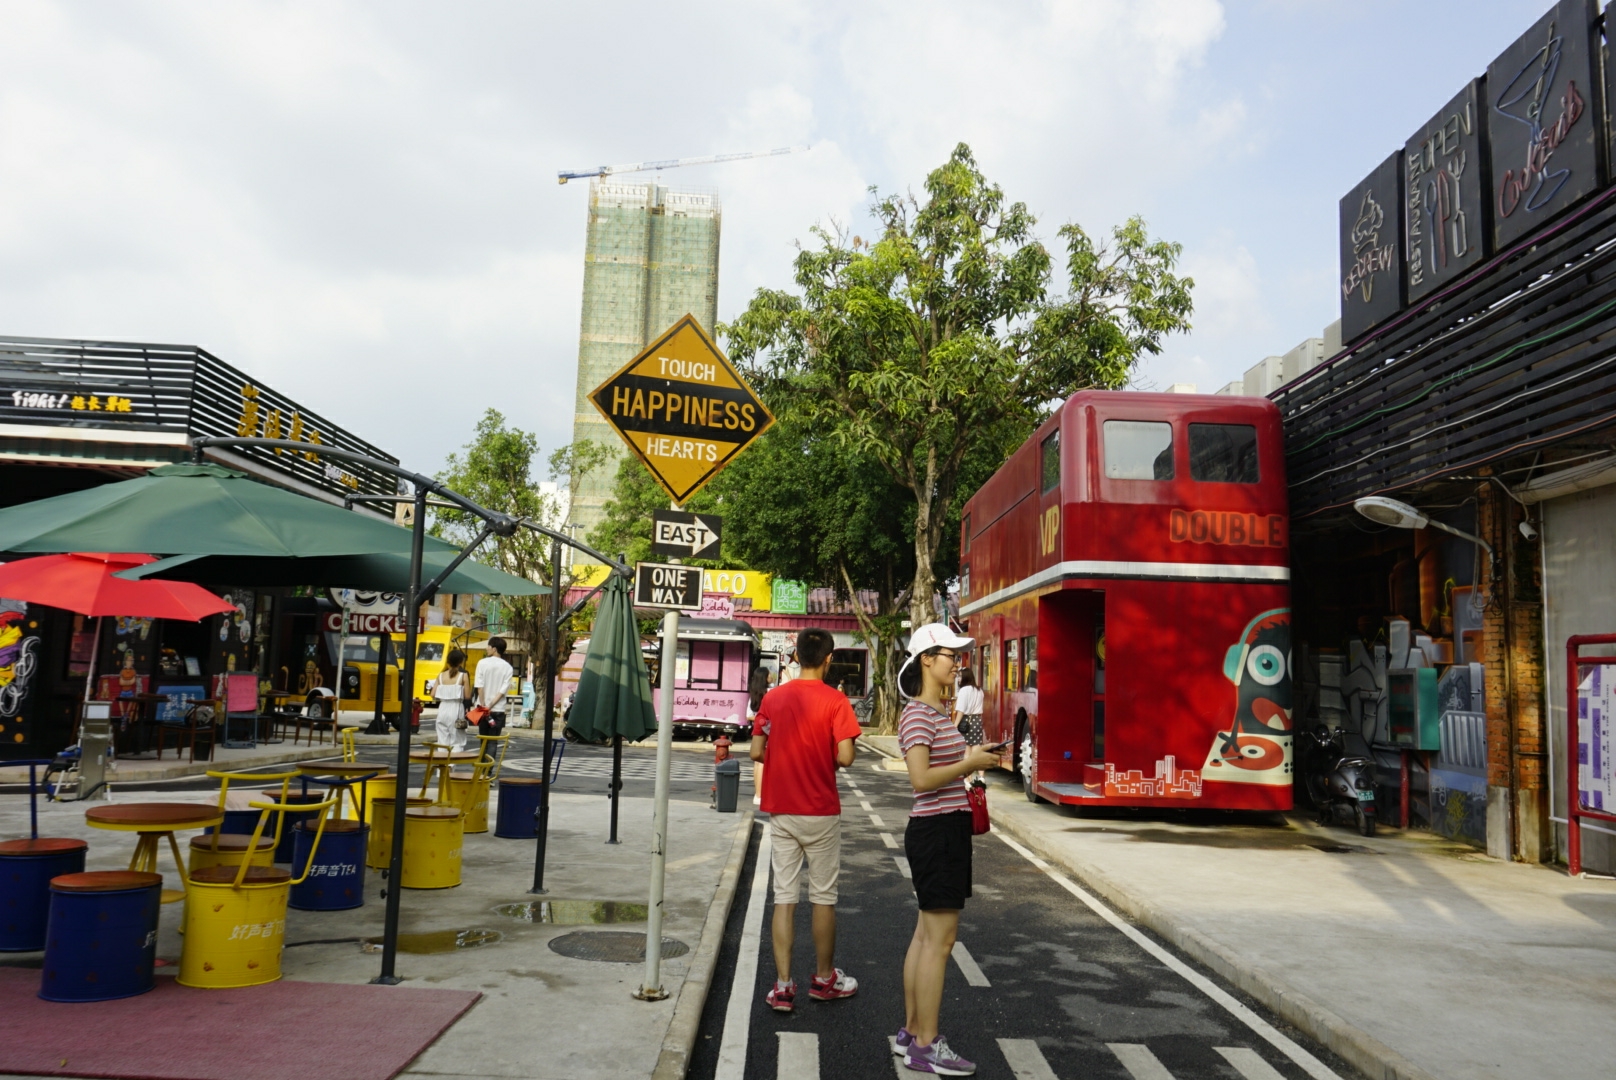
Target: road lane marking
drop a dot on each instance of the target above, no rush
(864, 804)
(968, 965)
(875, 819)
(1248, 1064)
(1025, 1059)
(886, 838)
(1139, 1061)
(738, 1017)
(1269, 1034)
(799, 1056)
(903, 866)
(877, 766)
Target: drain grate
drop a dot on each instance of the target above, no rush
(574, 912)
(612, 946)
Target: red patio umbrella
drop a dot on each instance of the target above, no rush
(84, 582)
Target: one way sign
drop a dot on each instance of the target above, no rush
(685, 536)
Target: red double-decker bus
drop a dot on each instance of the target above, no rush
(1126, 576)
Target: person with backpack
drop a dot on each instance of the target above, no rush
(937, 841)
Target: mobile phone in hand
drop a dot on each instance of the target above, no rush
(997, 748)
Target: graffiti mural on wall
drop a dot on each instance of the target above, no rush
(1257, 747)
(19, 656)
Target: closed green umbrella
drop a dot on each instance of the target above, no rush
(614, 691)
(198, 510)
(388, 572)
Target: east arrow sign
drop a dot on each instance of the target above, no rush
(686, 536)
(682, 408)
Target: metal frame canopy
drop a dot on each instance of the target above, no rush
(682, 408)
(494, 524)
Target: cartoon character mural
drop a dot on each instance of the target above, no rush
(18, 658)
(1257, 747)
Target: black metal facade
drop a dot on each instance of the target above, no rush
(57, 385)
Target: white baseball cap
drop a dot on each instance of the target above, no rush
(931, 636)
(937, 635)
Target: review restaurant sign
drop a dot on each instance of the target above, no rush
(682, 408)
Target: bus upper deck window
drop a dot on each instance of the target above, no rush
(965, 533)
(1049, 461)
(1224, 453)
(1138, 450)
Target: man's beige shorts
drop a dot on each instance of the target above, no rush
(818, 840)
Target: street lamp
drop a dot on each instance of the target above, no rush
(1400, 515)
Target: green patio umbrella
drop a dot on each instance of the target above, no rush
(614, 690)
(198, 510)
(387, 572)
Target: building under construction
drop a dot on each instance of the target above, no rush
(650, 258)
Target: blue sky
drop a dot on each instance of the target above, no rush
(356, 203)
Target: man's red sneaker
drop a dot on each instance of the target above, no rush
(782, 998)
(840, 985)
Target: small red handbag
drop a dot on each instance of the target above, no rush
(977, 793)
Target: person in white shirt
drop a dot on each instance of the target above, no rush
(968, 709)
(493, 681)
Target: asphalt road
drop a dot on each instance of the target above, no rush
(1045, 986)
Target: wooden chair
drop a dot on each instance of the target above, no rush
(201, 722)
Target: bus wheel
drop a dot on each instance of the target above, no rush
(1024, 763)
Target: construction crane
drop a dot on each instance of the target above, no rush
(648, 166)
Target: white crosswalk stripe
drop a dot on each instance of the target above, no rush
(903, 866)
(799, 1056)
(1025, 1059)
(888, 840)
(864, 804)
(1248, 1064)
(875, 819)
(968, 965)
(1139, 1061)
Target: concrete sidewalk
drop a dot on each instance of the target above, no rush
(543, 1015)
(1410, 956)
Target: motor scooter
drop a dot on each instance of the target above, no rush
(1338, 782)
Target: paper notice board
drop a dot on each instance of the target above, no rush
(1596, 771)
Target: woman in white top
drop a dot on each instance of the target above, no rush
(451, 693)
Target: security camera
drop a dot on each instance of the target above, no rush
(1528, 530)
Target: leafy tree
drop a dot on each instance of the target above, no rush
(495, 470)
(940, 346)
(626, 526)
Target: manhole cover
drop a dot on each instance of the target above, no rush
(574, 912)
(612, 946)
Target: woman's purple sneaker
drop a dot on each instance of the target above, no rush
(937, 1058)
(901, 1041)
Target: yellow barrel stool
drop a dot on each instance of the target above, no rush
(433, 836)
(379, 849)
(384, 786)
(470, 791)
(235, 916)
(229, 849)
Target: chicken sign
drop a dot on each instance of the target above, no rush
(682, 408)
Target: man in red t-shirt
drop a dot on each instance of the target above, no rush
(805, 731)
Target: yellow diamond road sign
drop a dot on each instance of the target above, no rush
(683, 408)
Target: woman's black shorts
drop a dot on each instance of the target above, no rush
(938, 848)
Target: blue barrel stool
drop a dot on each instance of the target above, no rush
(337, 879)
(236, 821)
(26, 869)
(284, 852)
(101, 943)
(518, 802)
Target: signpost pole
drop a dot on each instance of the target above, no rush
(652, 988)
(552, 627)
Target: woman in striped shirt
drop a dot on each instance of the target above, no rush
(937, 841)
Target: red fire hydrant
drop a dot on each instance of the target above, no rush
(721, 747)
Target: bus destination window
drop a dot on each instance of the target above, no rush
(1223, 453)
(1049, 461)
(1138, 450)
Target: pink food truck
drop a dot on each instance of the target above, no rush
(715, 662)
